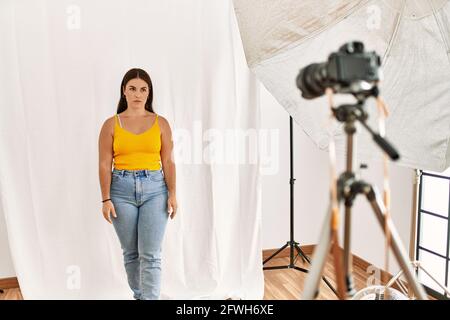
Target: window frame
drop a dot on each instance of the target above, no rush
(420, 212)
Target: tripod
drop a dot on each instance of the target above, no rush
(347, 188)
(292, 244)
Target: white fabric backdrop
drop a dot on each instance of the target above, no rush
(62, 63)
(281, 37)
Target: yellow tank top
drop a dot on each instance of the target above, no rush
(137, 151)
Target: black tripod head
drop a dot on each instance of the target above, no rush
(349, 113)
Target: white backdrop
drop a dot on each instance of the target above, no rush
(62, 63)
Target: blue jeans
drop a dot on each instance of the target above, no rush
(140, 201)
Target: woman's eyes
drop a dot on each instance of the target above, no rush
(143, 89)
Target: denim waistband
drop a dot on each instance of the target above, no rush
(136, 173)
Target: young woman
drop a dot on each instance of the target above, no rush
(139, 190)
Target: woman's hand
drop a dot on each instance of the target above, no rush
(172, 206)
(108, 208)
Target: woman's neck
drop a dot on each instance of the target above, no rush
(135, 114)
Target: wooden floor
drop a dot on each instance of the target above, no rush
(284, 284)
(11, 294)
(287, 284)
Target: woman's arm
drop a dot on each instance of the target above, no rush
(168, 164)
(105, 159)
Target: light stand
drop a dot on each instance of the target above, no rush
(292, 244)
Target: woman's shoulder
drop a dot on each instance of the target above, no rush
(108, 124)
(161, 119)
(164, 125)
(110, 121)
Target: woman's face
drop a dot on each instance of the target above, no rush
(136, 93)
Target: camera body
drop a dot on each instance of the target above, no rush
(349, 70)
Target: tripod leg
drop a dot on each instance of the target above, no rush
(397, 247)
(318, 260)
(306, 259)
(348, 261)
(301, 254)
(339, 271)
(394, 279)
(273, 255)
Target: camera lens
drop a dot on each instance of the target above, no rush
(310, 80)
